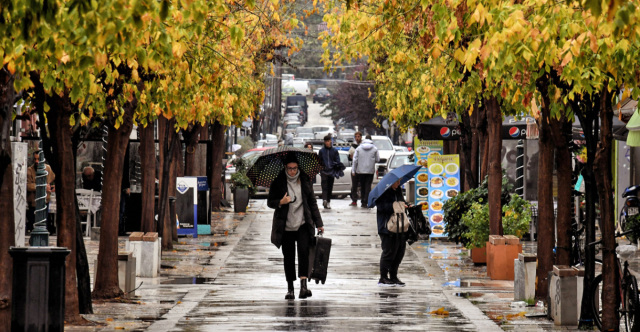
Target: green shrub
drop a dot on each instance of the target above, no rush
(239, 179)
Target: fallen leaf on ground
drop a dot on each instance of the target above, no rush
(440, 312)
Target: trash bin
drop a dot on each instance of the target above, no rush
(38, 288)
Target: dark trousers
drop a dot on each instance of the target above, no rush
(327, 186)
(365, 187)
(355, 186)
(393, 247)
(289, 240)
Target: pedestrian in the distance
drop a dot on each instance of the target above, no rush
(308, 146)
(393, 244)
(332, 169)
(295, 218)
(355, 179)
(364, 167)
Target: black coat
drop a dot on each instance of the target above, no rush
(311, 213)
(385, 207)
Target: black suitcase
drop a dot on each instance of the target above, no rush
(319, 259)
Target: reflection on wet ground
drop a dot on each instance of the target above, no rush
(249, 290)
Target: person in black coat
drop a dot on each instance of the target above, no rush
(295, 218)
(393, 244)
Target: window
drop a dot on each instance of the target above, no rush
(400, 160)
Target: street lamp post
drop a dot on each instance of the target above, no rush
(40, 234)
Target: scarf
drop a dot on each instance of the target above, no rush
(295, 216)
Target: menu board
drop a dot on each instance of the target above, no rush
(423, 150)
(444, 183)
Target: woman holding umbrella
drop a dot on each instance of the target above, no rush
(295, 217)
(387, 192)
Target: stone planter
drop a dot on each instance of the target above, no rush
(501, 253)
(479, 255)
(240, 199)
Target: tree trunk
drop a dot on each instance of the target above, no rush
(7, 223)
(166, 136)
(561, 131)
(191, 140)
(106, 280)
(466, 141)
(148, 160)
(610, 292)
(588, 121)
(64, 168)
(494, 120)
(217, 151)
(174, 169)
(546, 233)
(201, 152)
(82, 269)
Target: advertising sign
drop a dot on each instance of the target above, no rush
(444, 183)
(423, 150)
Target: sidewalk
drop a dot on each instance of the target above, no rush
(234, 280)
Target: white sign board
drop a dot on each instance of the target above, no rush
(19, 161)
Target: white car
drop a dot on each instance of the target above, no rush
(321, 131)
(291, 126)
(341, 186)
(305, 136)
(385, 150)
(400, 148)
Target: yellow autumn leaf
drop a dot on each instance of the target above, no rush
(567, 58)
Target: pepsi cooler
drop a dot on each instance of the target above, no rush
(191, 204)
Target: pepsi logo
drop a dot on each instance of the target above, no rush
(514, 132)
(445, 132)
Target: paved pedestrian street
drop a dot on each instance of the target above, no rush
(248, 292)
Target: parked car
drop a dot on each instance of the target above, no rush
(347, 135)
(298, 142)
(298, 101)
(250, 158)
(386, 150)
(304, 130)
(266, 144)
(288, 91)
(305, 136)
(290, 127)
(341, 186)
(399, 148)
(292, 117)
(321, 95)
(400, 159)
(321, 131)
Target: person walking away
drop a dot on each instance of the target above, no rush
(294, 219)
(31, 193)
(393, 244)
(331, 159)
(364, 166)
(355, 179)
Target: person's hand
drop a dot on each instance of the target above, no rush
(286, 199)
(48, 188)
(320, 230)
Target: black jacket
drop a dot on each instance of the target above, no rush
(385, 207)
(311, 213)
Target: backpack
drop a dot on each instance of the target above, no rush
(398, 222)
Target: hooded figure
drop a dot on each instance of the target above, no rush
(294, 219)
(364, 166)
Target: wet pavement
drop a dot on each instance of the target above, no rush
(233, 280)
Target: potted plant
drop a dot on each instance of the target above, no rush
(456, 207)
(241, 186)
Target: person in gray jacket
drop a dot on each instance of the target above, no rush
(364, 167)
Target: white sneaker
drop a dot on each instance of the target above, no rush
(328, 205)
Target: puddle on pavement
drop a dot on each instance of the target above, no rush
(469, 295)
(454, 283)
(187, 281)
(213, 244)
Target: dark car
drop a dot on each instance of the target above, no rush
(300, 101)
(321, 95)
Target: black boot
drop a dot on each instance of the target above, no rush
(395, 280)
(290, 295)
(304, 292)
(384, 279)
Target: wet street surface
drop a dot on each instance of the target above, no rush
(233, 280)
(248, 293)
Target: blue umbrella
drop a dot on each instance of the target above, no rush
(403, 173)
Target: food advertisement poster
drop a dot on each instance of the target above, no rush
(424, 149)
(444, 183)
